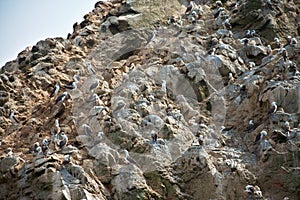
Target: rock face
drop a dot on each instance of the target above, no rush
(154, 102)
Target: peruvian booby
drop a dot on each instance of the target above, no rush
(10, 153)
(154, 137)
(227, 24)
(273, 108)
(90, 69)
(294, 41)
(61, 98)
(67, 159)
(13, 118)
(260, 136)
(95, 85)
(231, 78)
(212, 51)
(97, 101)
(269, 50)
(164, 86)
(286, 126)
(268, 3)
(45, 146)
(201, 140)
(250, 126)
(249, 189)
(277, 43)
(37, 150)
(128, 158)
(62, 140)
(73, 84)
(87, 129)
(55, 90)
(284, 54)
(190, 7)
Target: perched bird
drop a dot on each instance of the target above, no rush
(37, 150)
(61, 98)
(227, 24)
(284, 54)
(9, 152)
(154, 137)
(250, 126)
(294, 41)
(277, 43)
(62, 140)
(164, 86)
(269, 50)
(67, 159)
(95, 85)
(97, 100)
(13, 118)
(231, 78)
(251, 65)
(260, 136)
(87, 129)
(245, 41)
(273, 108)
(55, 90)
(45, 146)
(201, 140)
(73, 84)
(190, 7)
(286, 126)
(268, 3)
(128, 158)
(90, 69)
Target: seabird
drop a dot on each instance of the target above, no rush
(231, 78)
(73, 84)
(277, 42)
(57, 123)
(227, 24)
(288, 40)
(62, 140)
(95, 85)
(219, 3)
(245, 41)
(67, 159)
(201, 140)
(37, 150)
(249, 189)
(268, 3)
(13, 118)
(251, 65)
(253, 33)
(217, 13)
(260, 136)
(164, 86)
(9, 153)
(97, 100)
(61, 98)
(100, 134)
(128, 158)
(45, 146)
(91, 69)
(284, 54)
(0, 142)
(55, 90)
(190, 7)
(212, 51)
(248, 33)
(294, 41)
(87, 129)
(250, 126)
(273, 108)
(286, 126)
(269, 50)
(154, 137)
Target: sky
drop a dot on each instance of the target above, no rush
(25, 22)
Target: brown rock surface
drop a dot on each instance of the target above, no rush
(147, 69)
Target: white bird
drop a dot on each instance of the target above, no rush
(128, 158)
(37, 150)
(9, 152)
(55, 90)
(250, 126)
(273, 108)
(73, 84)
(90, 69)
(269, 50)
(200, 140)
(61, 98)
(57, 123)
(13, 118)
(164, 86)
(62, 140)
(87, 129)
(260, 136)
(95, 85)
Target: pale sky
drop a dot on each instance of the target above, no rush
(25, 22)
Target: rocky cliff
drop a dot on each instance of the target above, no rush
(157, 100)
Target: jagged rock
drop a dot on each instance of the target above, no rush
(175, 88)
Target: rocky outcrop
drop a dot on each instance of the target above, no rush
(155, 100)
